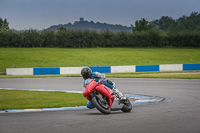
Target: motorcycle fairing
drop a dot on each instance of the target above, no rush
(107, 92)
(89, 88)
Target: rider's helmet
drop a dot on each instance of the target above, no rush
(86, 73)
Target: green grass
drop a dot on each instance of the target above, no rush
(61, 57)
(18, 99)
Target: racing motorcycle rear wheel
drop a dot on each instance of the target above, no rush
(101, 104)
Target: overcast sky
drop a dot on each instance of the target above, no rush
(40, 14)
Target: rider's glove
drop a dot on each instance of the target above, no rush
(100, 81)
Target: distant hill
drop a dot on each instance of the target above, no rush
(86, 25)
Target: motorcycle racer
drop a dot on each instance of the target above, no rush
(88, 76)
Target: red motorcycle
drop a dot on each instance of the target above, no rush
(104, 99)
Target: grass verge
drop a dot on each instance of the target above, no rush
(19, 99)
(70, 57)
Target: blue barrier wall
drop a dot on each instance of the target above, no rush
(187, 67)
(147, 68)
(46, 71)
(102, 69)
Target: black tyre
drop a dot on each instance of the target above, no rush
(127, 106)
(102, 106)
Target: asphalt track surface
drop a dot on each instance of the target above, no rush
(179, 113)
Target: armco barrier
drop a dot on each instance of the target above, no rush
(102, 69)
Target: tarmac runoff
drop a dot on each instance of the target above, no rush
(135, 99)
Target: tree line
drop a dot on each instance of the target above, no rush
(163, 32)
(84, 25)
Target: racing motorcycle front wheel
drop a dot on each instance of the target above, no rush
(101, 104)
(127, 107)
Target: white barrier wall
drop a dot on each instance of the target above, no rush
(122, 69)
(171, 67)
(19, 71)
(70, 70)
